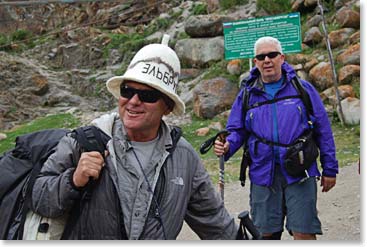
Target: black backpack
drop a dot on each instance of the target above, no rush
(302, 94)
(21, 165)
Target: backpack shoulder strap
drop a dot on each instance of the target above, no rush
(91, 138)
(305, 97)
(246, 94)
(176, 134)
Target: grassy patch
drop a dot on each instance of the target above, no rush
(347, 140)
(227, 4)
(274, 7)
(219, 69)
(67, 121)
(199, 9)
(210, 160)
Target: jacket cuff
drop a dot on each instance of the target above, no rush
(328, 174)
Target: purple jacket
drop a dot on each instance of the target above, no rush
(291, 117)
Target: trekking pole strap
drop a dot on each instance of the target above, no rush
(207, 145)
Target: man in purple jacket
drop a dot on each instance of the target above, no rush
(274, 193)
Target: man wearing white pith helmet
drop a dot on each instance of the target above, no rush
(151, 180)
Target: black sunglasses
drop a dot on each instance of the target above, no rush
(270, 55)
(148, 96)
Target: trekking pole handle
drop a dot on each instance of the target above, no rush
(206, 146)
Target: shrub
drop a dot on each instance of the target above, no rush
(199, 9)
(20, 34)
(274, 7)
(227, 4)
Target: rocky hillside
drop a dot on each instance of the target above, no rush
(56, 57)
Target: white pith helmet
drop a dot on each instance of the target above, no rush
(157, 66)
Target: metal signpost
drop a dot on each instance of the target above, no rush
(240, 36)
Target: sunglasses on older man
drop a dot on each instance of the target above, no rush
(270, 55)
(147, 96)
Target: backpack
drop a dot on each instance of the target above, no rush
(21, 165)
(302, 94)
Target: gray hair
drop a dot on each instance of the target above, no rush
(268, 40)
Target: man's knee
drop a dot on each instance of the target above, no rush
(272, 236)
(303, 236)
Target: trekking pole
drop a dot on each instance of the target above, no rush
(222, 138)
(204, 148)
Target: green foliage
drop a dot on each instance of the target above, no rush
(356, 84)
(117, 40)
(163, 23)
(67, 121)
(274, 7)
(23, 39)
(209, 159)
(176, 14)
(127, 44)
(227, 4)
(158, 24)
(347, 140)
(219, 69)
(199, 9)
(183, 35)
(4, 42)
(20, 35)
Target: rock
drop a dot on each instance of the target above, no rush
(216, 126)
(347, 73)
(40, 83)
(321, 75)
(234, 67)
(340, 37)
(213, 5)
(351, 110)
(213, 96)
(350, 56)
(348, 18)
(200, 52)
(199, 26)
(355, 38)
(202, 131)
(344, 92)
(314, 21)
(3, 136)
(313, 36)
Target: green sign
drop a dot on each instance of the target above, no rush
(240, 36)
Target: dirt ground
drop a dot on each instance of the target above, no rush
(339, 209)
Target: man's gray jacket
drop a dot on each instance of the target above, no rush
(123, 202)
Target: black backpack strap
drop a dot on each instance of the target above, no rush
(176, 134)
(271, 101)
(305, 97)
(89, 138)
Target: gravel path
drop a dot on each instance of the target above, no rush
(339, 209)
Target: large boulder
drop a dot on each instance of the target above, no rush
(213, 96)
(351, 110)
(321, 76)
(350, 56)
(199, 52)
(199, 26)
